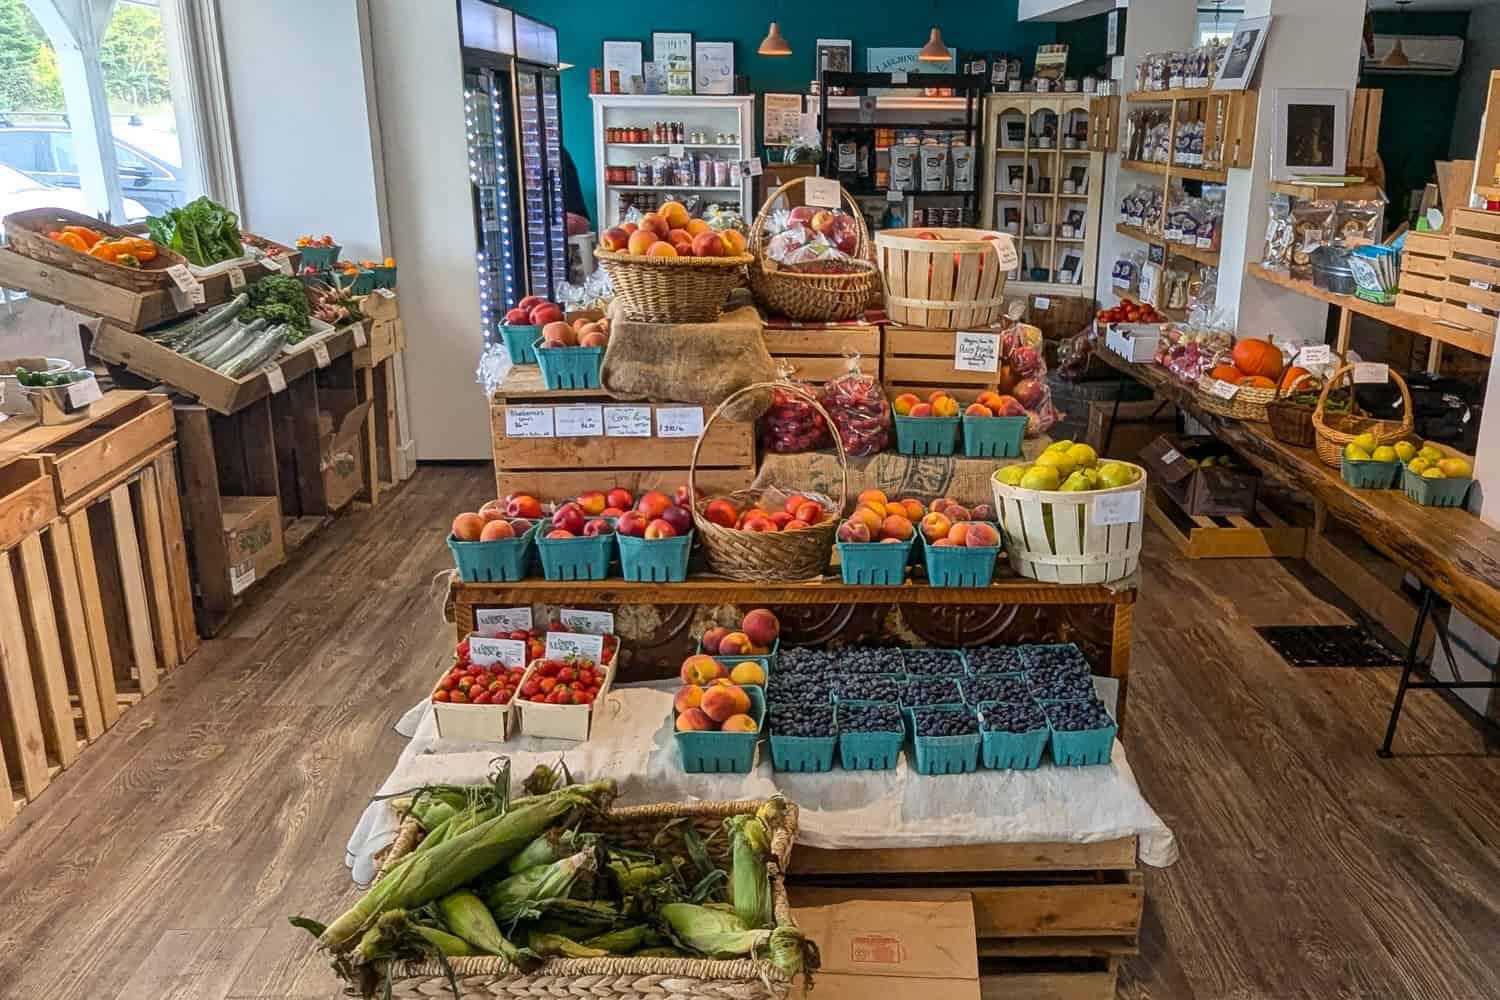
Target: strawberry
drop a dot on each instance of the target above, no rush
(482, 698)
(459, 697)
(440, 695)
(462, 650)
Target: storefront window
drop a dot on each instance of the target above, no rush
(1216, 22)
(142, 118)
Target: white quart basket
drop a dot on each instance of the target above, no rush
(1058, 537)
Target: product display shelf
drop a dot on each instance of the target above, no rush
(1124, 296)
(377, 380)
(1209, 257)
(1006, 115)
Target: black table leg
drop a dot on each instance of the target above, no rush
(1114, 414)
(1412, 651)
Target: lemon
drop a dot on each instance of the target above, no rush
(1366, 442)
(1113, 474)
(1092, 475)
(1011, 475)
(1354, 453)
(1406, 451)
(1433, 473)
(1076, 483)
(1041, 477)
(1430, 453)
(1063, 445)
(1083, 456)
(1385, 453)
(1058, 460)
(1419, 465)
(1456, 468)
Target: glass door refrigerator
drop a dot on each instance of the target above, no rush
(539, 118)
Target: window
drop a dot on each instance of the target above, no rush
(1216, 22)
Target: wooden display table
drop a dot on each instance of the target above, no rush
(663, 621)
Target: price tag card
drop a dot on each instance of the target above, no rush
(1170, 455)
(821, 192)
(241, 576)
(385, 293)
(529, 422)
(679, 421)
(320, 355)
(590, 622)
(895, 197)
(1371, 372)
(737, 171)
(1314, 354)
(1005, 247)
(755, 167)
(1118, 508)
(236, 278)
(627, 421)
(276, 379)
(277, 264)
(195, 295)
(499, 621)
(483, 651)
(898, 76)
(360, 340)
(676, 149)
(579, 421)
(1042, 303)
(561, 645)
(1224, 390)
(81, 394)
(181, 276)
(976, 352)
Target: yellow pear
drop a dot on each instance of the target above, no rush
(1354, 453)
(1419, 465)
(1433, 473)
(1385, 453)
(1076, 483)
(1083, 456)
(1430, 453)
(1058, 460)
(1011, 474)
(1113, 474)
(1456, 468)
(1406, 451)
(1092, 475)
(1041, 477)
(1366, 442)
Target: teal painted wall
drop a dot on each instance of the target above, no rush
(988, 25)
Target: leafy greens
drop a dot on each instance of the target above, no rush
(203, 231)
(279, 299)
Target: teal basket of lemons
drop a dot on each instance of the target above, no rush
(1368, 465)
(1433, 478)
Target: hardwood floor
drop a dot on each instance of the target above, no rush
(164, 863)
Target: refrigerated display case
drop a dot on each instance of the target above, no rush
(539, 133)
(501, 274)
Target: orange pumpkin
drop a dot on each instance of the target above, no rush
(1291, 375)
(1226, 373)
(1257, 382)
(1258, 357)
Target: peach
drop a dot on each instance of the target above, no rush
(693, 720)
(675, 212)
(795, 524)
(781, 519)
(492, 511)
(935, 526)
(977, 410)
(896, 526)
(761, 626)
(467, 527)
(1008, 406)
(615, 238)
(890, 541)
(734, 242)
(944, 542)
(677, 235)
(958, 512)
(793, 502)
(903, 403)
(594, 338)
(735, 644)
(913, 507)
(921, 410)
(696, 226)
(758, 522)
(495, 531)
(941, 504)
(811, 512)
(982, 534)
(560, 533)
(688, 696)
(629, 227)
(870, 518)
(641, 240)
(935, 395)
(684, 248)
(700, 669)
(988, 399)
(711, 639)
(559, 334)
(749, 673)
(983, 512)
(739, 724)
(593, 502)
(653, 504)
(719, 703)
(663, 249)
(654, 222)
(868, 496)
(854, 531)
(958, 534)
(721, 512)
(945, 407)
(708, 245)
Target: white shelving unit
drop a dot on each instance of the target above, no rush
(711, 114)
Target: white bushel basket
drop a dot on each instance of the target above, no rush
(1095, 537)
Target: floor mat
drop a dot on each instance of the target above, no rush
(1328, 646)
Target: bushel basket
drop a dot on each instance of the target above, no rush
(812, 297)
(27, 232)
(624, 977)
(953, 283)
(1335, 430)
(1246, 404)
(769, 556)
(671, 289)
(1291, 422)
(1056, 536)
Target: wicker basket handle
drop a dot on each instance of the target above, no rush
(1348, 370)
(795, 390)
(1286, 390)
(757, 228)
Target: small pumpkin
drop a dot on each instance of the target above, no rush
(1226, 373)
(1258, 357)
(1256, 382)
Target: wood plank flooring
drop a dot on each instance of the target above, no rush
(163, 864)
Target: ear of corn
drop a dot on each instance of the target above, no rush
(554, 845)
(556, 944)
(625, 940)
(750, 886)
(464, 914)
(717, 934)
(528, 894)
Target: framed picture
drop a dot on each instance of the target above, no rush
(713, 68)
(782, 117)
(672, 51)
(1112, 34)
(624, 57)
(836, 54)
(1239, 62)
(1312, 133)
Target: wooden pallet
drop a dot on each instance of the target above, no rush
(375, 380)
(819, 354)
(1261, 534)
(1052, 921)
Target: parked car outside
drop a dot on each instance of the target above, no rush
(44, 152)
(19, 192)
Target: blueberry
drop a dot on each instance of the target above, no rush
(870, 719)
(868, 660)
(804, 660)
(1059, 682)
(796, 689)
(868, 688)
(996, 659)
(945, 722)
(1060, 655)
(801, 720)
(992, 687)
(1078, 716)
(932, 691)
(1012, 717)
(932, 661)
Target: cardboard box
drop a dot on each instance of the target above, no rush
(252, 537)
(907, 949)
(1175, 465)
(1135, 342)
(339, 428)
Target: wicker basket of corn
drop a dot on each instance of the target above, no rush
(562, 895)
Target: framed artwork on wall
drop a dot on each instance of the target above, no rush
(1311, 133)
(1243, 55)
(713, 68)
(672, 51)
(624, 57)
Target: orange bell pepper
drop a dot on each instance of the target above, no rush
(105, 250)
(89, 236)
(143, 250)
(72, 241)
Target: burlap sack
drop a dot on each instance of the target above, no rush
(690, 362)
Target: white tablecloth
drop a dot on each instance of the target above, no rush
(632, 743)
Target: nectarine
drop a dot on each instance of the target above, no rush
(761, 626)
(722, 701)
(467, 527)
(701, 669)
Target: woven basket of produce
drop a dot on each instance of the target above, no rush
(84, 245)
(1248, 402)
(1335, 430)
(740, 533)
(944, 279)
(1290, 413)
(508, 888)
(671, 289)
(816, 291)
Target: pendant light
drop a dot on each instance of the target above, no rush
(1397, 57)
(773, 44)
(934, 50)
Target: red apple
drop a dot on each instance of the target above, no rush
(653, 503)
(632, 523)
(522, 505)
(660, 528)
(530, 302)
(598, 526)
(802, 214)
(681, 497)
(620, 497)
(569, 517)
(680, 518)
(518, 317)
(822, 221)
(546, 313)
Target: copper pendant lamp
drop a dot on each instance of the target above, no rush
(773, 44)
(934, 50)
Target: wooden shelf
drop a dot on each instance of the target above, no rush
(1208, 174)
(1124, 296)
(1162, 96)
(1446, 333)
(1321, 192)
(1210, 257)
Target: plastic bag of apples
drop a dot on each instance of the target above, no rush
(813, 240)
(793, 425)
(862, 415)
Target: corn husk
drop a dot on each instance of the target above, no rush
(396, 933)
(554, 845)
(527, 895)
(556, 944)
(749, 882)
(464, 914)
(625, 940)
(717, 934)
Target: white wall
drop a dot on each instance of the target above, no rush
(295, 72)
(1063, 10)
(1481, 55)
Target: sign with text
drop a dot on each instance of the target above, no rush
(1117, 508)
(679, 421)
(1224, 390)
(821, 192)
(529, 422)
(485, 651)
(627, 421)
(236, 278)
(590, 622)
(976, 352)
(1314, 354)
(561, 645)
(1371, 372)
(579, 420)
(498, 621)
(81, 394)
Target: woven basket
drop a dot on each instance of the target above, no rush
(1247, 404)
(770, 556)
(623, 978)
(1335, 430)
(671, 289)
(956, 283)
(1291, 423)
(813, 297)
(27, 232)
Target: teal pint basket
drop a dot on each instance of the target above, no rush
(870, 751)
(502, 561)
(926, 435)
(802, 754)
(1082, 747)
(569, 367)
(518, 342)
(947, 754)
(385, 277)
(724, 753)
(655, 560)
(1435, 492)
(585, 558)
(1012, 751)
(959, 565)
(1370, 475)
(993, 437)
(874, 564)
(319, 258)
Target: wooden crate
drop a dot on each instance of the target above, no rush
(817, 354)
(376, 380)
(1487, 180)
(919, 361)
(1471, 299)
(1262, 533)
(553, 468)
